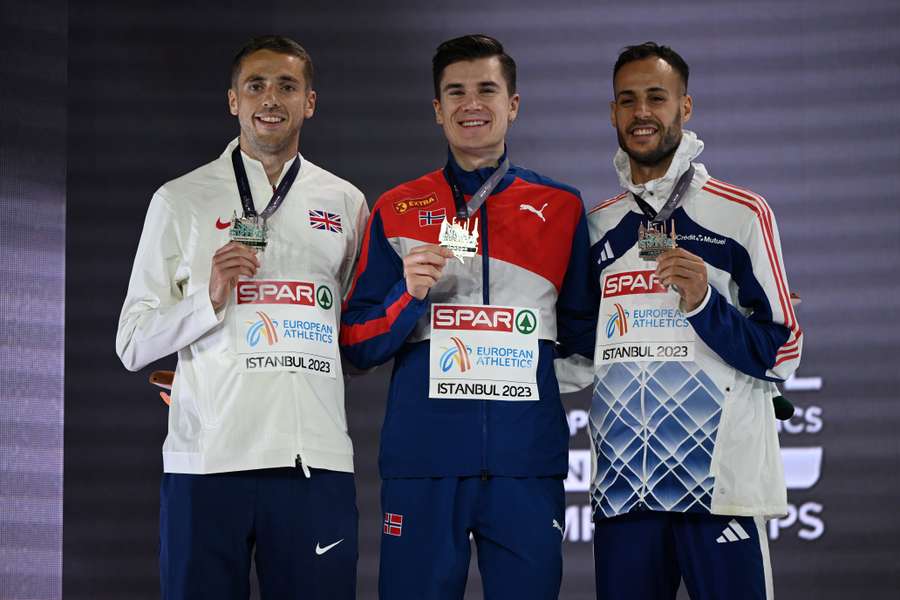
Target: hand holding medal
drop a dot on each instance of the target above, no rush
(230, 262)
(686, 273)
(423, 267)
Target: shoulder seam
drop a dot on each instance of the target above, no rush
(608, 202)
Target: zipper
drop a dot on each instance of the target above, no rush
(486, 299)
(643, 492)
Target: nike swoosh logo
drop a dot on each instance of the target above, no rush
(320, 550)
(221, 225)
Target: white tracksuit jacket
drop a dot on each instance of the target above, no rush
(695, 435)
(222, 419)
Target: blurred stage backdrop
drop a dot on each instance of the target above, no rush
(795, 100)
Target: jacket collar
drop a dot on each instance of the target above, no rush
(470, 181)
(656, 191)
(255, 169)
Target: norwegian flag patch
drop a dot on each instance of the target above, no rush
(326, 221)
(393, 524)
(431, 217)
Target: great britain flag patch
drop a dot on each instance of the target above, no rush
(393, 524)
(325, 221)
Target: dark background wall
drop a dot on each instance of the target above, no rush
(796, 100)
(32, 246)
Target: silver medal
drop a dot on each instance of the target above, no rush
(459, 238)
(653, 240)
(250, 231)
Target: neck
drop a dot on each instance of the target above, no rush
(469, 161)
(273, 162)
(644, 173)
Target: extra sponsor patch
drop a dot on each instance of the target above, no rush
(404, 206)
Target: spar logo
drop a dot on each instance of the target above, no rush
(277, 292)
(632, 282)
(265, 326)
(457, 354)
(324, 297)
(618, 322)
(479, 318)
(525, 322)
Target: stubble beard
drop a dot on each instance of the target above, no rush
(663, 151)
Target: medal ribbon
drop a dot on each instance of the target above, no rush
(671, 204)
(244, 186)
(465, 210)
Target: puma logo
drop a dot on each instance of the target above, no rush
(556, 524)
(530, 208)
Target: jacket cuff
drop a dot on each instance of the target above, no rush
(703, 304)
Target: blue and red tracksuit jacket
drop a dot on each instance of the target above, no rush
(536, 258)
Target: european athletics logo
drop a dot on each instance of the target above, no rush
(618, 321)
(264, 325)
(458, 353)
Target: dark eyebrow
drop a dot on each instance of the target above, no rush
(492, 84)
(453, 86)
(255, 78)
(652, 90)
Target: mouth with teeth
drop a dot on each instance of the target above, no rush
(471, 123)
(268, 120)
(643, 131)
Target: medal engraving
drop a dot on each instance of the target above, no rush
(250, 231)
(457, 236)
(653, 240)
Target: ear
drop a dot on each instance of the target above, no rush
(436, 104)
(513, 107)
(232, 102)
(687, 108)
(612, 114)
(310, 104)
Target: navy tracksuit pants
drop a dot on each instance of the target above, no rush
(303, 532)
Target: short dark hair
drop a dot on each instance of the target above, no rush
(274, 43)
(471, 47)
(649, 49)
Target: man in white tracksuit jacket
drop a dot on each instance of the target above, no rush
(689, 341)
(257, 457)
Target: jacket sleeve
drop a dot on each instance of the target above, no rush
(767, 343)
(354, 244)
(576, 316)
(579, 297)
(157, 319)
(379, 314)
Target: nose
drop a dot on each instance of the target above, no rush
(471, 102)
(270, 98)
(641, 108)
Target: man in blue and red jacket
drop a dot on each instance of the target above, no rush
(475, 438)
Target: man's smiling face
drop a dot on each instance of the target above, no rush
(649, 109)
(475, 108)
(271, 99)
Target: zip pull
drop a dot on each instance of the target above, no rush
(298, 462)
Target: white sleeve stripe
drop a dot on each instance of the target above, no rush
(758, 205)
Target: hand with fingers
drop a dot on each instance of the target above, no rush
(230, 262)
(423, 267)
(685, 271)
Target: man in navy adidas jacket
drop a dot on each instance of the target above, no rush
(475, 439)
(689, 340)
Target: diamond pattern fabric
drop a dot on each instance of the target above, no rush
(653, 426)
